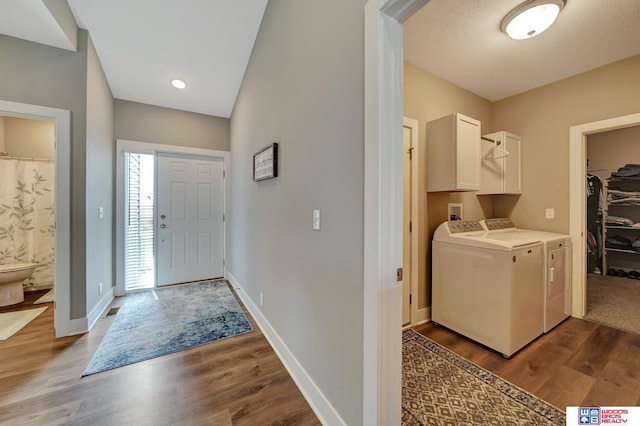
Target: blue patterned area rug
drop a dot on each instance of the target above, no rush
(439, 387)
(167, 320)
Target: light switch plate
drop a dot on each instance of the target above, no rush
(316, 220)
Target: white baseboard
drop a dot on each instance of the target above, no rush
(73, 327)
(84, 325)
(99, 309)
(314, 396)
(424, 315)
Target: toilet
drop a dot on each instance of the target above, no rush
(11, 277)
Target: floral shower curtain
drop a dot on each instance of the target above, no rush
(27, 220)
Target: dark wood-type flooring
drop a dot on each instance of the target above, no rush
(234, 381)
(240, 380)
(577, 363)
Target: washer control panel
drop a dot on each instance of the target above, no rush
(457, 226)
(498, 223)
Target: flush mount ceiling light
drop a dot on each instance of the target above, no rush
(531, 18)
(178, 84)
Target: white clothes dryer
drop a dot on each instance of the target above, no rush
(487, 287)
(557, 269)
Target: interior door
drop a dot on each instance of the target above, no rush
(406, 225)
(190, 233)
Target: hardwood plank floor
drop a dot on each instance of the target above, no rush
(234, 381)
(577, 363)
(240, 380)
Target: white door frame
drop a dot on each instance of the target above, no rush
(383, 106)
(577, 201)
(62, 281)
(123, 146)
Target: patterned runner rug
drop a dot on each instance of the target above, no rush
(162, 321)
(441, 388)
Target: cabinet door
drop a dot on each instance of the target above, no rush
(468, 154)
(513, 165)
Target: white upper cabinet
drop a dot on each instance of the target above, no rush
(453, 154)
(501, 164)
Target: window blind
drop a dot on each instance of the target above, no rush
(139, 221)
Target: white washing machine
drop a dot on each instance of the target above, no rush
(557, 269)
(487, 287)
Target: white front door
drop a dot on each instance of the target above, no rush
(190, 233)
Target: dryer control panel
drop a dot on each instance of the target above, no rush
(498, 223)
(456, 226)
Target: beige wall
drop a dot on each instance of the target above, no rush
(427, 97)
(147, 123)
(608, 151)
(2, 134)
(543, 117)
(24, 137)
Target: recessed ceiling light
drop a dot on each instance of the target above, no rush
(531, 18)
(178, 84)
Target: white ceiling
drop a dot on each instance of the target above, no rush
(143, 44)
(461, 42)
(33, 20)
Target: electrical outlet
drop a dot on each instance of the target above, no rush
(100, 288)
(261, 300)
(550, 213)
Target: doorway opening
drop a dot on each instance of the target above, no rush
(27, 197)
(578, 202)
(170, 215)
(411, 315)
(613, 229)
(63, 324)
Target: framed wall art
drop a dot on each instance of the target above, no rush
(265, 163)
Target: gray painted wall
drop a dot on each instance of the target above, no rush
(41, 75)
(304, 89)
(100, 181)
(147, 123)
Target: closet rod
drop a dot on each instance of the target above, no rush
(487, 139)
